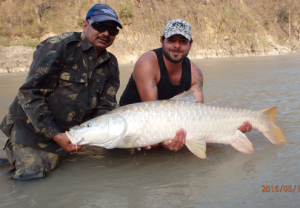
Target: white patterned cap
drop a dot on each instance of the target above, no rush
(178, 27)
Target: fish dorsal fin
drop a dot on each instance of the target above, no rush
(186, 96)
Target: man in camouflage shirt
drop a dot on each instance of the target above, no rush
(72, 78)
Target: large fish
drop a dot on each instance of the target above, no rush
(148, 123)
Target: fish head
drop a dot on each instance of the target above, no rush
(96, 126)
(104, 131)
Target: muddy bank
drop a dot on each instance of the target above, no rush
(19, 58)
(15, 59)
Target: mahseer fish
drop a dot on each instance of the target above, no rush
(148, 123)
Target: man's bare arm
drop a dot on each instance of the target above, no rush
(197, 83)
(144, 74)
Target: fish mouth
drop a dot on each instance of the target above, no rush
(74, 138)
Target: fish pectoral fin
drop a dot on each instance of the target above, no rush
(197, 145)
(131, 150)
(242, 143)
(129, 140)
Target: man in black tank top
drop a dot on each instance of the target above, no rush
(169, 70)
(165, 72)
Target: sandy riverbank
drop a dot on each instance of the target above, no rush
(19, 58)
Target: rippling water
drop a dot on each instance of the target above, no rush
(95, 177)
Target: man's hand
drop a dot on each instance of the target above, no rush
(245, 127)
(149, 147)
(63, 141)
(176, 144)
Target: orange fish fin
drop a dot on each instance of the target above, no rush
(269, 113)
(275, 135)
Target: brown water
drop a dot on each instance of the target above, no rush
(160, 178)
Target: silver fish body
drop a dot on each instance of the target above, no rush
(147, 123)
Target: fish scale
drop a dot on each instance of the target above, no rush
(149, 123)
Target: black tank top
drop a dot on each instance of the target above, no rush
(165, 87)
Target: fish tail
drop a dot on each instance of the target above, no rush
(197, 145)
(242, 143)
(269, 113)
(274, 133)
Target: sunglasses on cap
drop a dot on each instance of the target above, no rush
(100, 27)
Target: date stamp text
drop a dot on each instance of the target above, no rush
(281, 188)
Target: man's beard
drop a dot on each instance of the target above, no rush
(167, 55)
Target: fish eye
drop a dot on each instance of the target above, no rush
(88, 125)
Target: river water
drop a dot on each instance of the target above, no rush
(95, 177)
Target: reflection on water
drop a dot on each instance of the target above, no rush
(95, 177)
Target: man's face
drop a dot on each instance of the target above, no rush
(176, 48)
(100, 40)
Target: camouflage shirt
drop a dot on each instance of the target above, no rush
(65, 86)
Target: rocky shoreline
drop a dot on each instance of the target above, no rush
(19, 58)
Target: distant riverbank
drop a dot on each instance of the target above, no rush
(19, 58)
